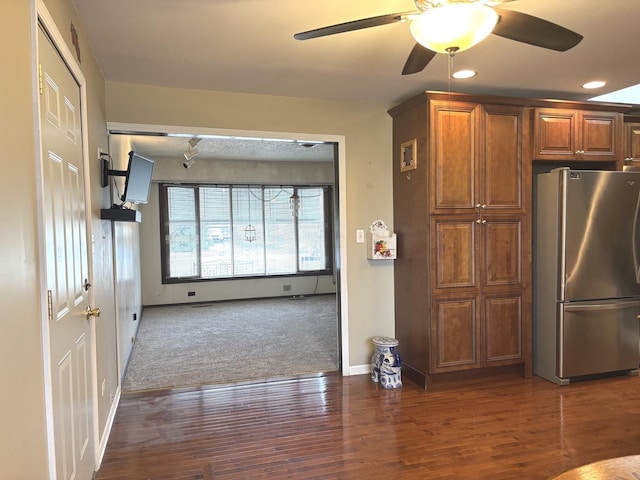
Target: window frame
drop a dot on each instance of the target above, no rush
(164, 232)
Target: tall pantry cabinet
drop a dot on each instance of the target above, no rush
(462, 216)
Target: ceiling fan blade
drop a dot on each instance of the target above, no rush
(351, 26)
(525, 28)
(418, 59)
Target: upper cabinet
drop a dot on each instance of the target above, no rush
(473, 149)
(632, 141)
(577, 135)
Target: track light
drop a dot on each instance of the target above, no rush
(189, 163)
(191, 153)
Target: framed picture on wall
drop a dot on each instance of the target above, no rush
(409, 155)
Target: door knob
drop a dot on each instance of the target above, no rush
(92, 312)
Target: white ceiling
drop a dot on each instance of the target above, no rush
(248, 46)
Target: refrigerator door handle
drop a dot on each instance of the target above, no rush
(601, 306)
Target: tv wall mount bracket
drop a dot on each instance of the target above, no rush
(107, 172)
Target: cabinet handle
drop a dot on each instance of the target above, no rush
(484, 205)
(479, 221)
(484, 221)
(478, 205)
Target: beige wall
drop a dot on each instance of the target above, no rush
(367, 130)
(233, 172)
(22, 435)
(23, 439)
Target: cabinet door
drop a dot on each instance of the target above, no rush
(561, 134)
(504, 153)
(455, 333)
(632, 141)
(502, 253)
(555, 134)
(454, 157)
(503, 329)
(600, 133)
(454, 262)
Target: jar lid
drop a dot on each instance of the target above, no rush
(385, 341)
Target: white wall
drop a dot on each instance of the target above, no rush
(367, 131)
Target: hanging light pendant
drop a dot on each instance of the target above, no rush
(453, 26)
(250, 233)
(294, 203)
(249, 230)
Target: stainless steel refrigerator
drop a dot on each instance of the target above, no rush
(586, 289)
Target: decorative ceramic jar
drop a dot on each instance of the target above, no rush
(386, 363)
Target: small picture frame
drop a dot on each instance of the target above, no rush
(409, 155)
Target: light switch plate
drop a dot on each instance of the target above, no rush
(360, 236)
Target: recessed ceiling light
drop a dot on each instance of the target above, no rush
(594, 84)
(460, 74)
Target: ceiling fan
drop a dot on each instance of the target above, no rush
(450, 26)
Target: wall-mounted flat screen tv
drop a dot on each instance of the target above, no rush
(138, 179)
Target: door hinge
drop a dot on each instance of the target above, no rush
(50, 305)
(40, 81)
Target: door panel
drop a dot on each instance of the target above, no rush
(455, 328)
(454, 252)
(502, 240)
(65, 231)
(632, 137)
(599, 134)
(598, 338)
(503, 158)
(555, 136)
(454, 136)
(503, 329)
(602, 235)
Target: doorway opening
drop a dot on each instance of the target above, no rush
(185, 155)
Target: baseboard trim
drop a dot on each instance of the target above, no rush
(360, 369)
(104, 439)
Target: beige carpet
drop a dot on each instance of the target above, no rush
(233, 342)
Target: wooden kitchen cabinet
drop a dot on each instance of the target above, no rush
(577, 135)
(632, 141)
(462, 277)
(478, 268)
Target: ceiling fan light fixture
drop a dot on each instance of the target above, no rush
(454, 26)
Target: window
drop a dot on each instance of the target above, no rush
(230, 231)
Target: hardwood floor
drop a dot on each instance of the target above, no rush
(335, 427)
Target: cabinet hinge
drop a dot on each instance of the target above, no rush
(40, 81)
(50, 305)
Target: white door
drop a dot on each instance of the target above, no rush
(69, 328)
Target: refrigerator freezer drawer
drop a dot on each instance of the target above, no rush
(598, 337)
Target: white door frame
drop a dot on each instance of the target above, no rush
(342, 196)
(43, 17)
